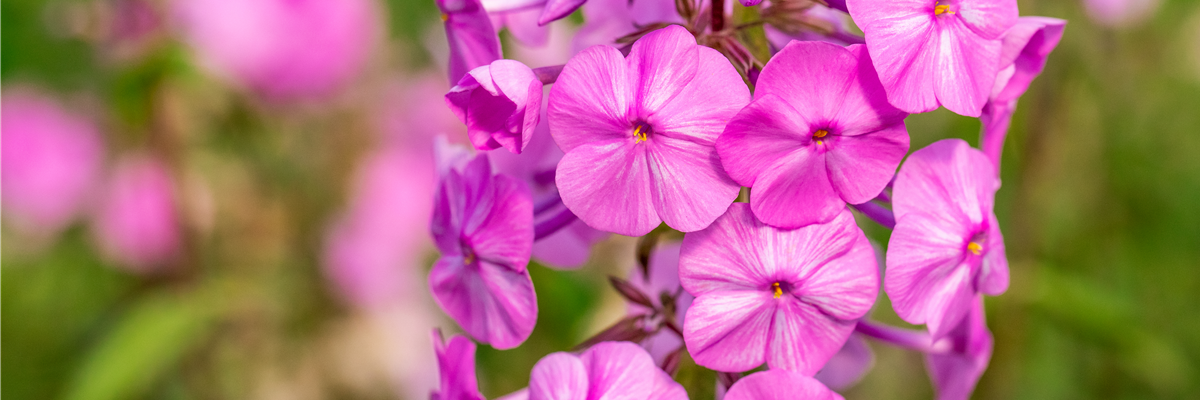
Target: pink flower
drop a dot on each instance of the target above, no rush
(955, 373)
(500, 103)
(1022, 58)
(51, 162)
(786, 297)
(374, 248)
(521, 23)
(136, 224)
(456, 368)
(818, 135)
(779, 384)
(639, 133)
(281, 48)
(946, 247)
(608, 370)
(473, 42)
(931, 52)
(483, 225)
(571, 245)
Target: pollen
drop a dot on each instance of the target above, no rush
(939, 9)
(975, 248)
(445, 17)
(469, 258)
(820, 133)
(639, 135)
(778, 290)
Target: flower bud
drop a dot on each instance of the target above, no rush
(499, 103)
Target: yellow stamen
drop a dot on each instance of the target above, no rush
(445, 17)
(469, 258)
(939, 9)
(638, 135)
(820, 133)
(777, 289)
(975, 248)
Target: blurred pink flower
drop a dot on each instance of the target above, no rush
(136, 224)
(1120, 13)
(51, 161)
(607, 20)
(663, 279)
(281, 48)
(374, 249)
(779, 384)
(956, 372)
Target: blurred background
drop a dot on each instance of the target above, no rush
(228, 199)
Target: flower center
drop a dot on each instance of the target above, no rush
(468, 255)
(975, 248)
(820, 134)
(777, 289)
(939, 8)
(641, 132)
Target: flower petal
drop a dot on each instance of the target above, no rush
(558, 376)
(494, 304)
(865, 107)
(607, 184)
(505, 237)
(902, 42)
(966, 68)
(456, 368)
(849, 365)
(993, 271)
(688, 185)
(845, 284)
(796, 191)
(861, 166)
(727, 331)
(663, 63)
(619, 371)
(779, 384)
(717, 259)
(473, 42)
(956, 373)
(811, 76)
(759, 135)
(591, 98)
(948, 176)
(988, 18)
(803, 338)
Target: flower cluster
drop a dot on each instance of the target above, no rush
(759, 158)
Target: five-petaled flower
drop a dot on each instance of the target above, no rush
(608, 370)
(639, 133)
(483, 225)
(790, 298)
(947, 247)
(778, 384)
(820, 133)
(935, 52)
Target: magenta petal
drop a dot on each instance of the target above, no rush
(1025, 48)
(950, 177)
(523, 25)
(955, 373)
(504, 237)
(494, 304)
(841, 285)
(591, 99)
(966, 69)
(666, 389)
(665, 62)
(705, 268)
(473, 41)
(622, 202)
(456, 367)
(796, 191)
(993, 271)
(803, 339)
(690, 189)
(848, 366)
(926, 278)
(900, 37)
(818, 89)
(558, 376)
(778, 384)
(988, 18)
(727, 331)
(558, 9)
(861, 166)
(761, 133)
(619, 371)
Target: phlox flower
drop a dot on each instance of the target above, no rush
(1022, 58)
(281, 48)
(956, 372)
(605, 21)
(483, 226)
(777, 384)
(608, 370)
(456, 368)
(818, 135)
(136, 224)
(848, 365)
(473, 42)
(935, 52)
(51, 163)
(790, 298)
(946, 247)
(500, 103)
(639, 133)
(1120, 13)
(520, 18)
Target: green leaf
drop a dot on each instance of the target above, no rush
(147, 341)
(754, 37)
